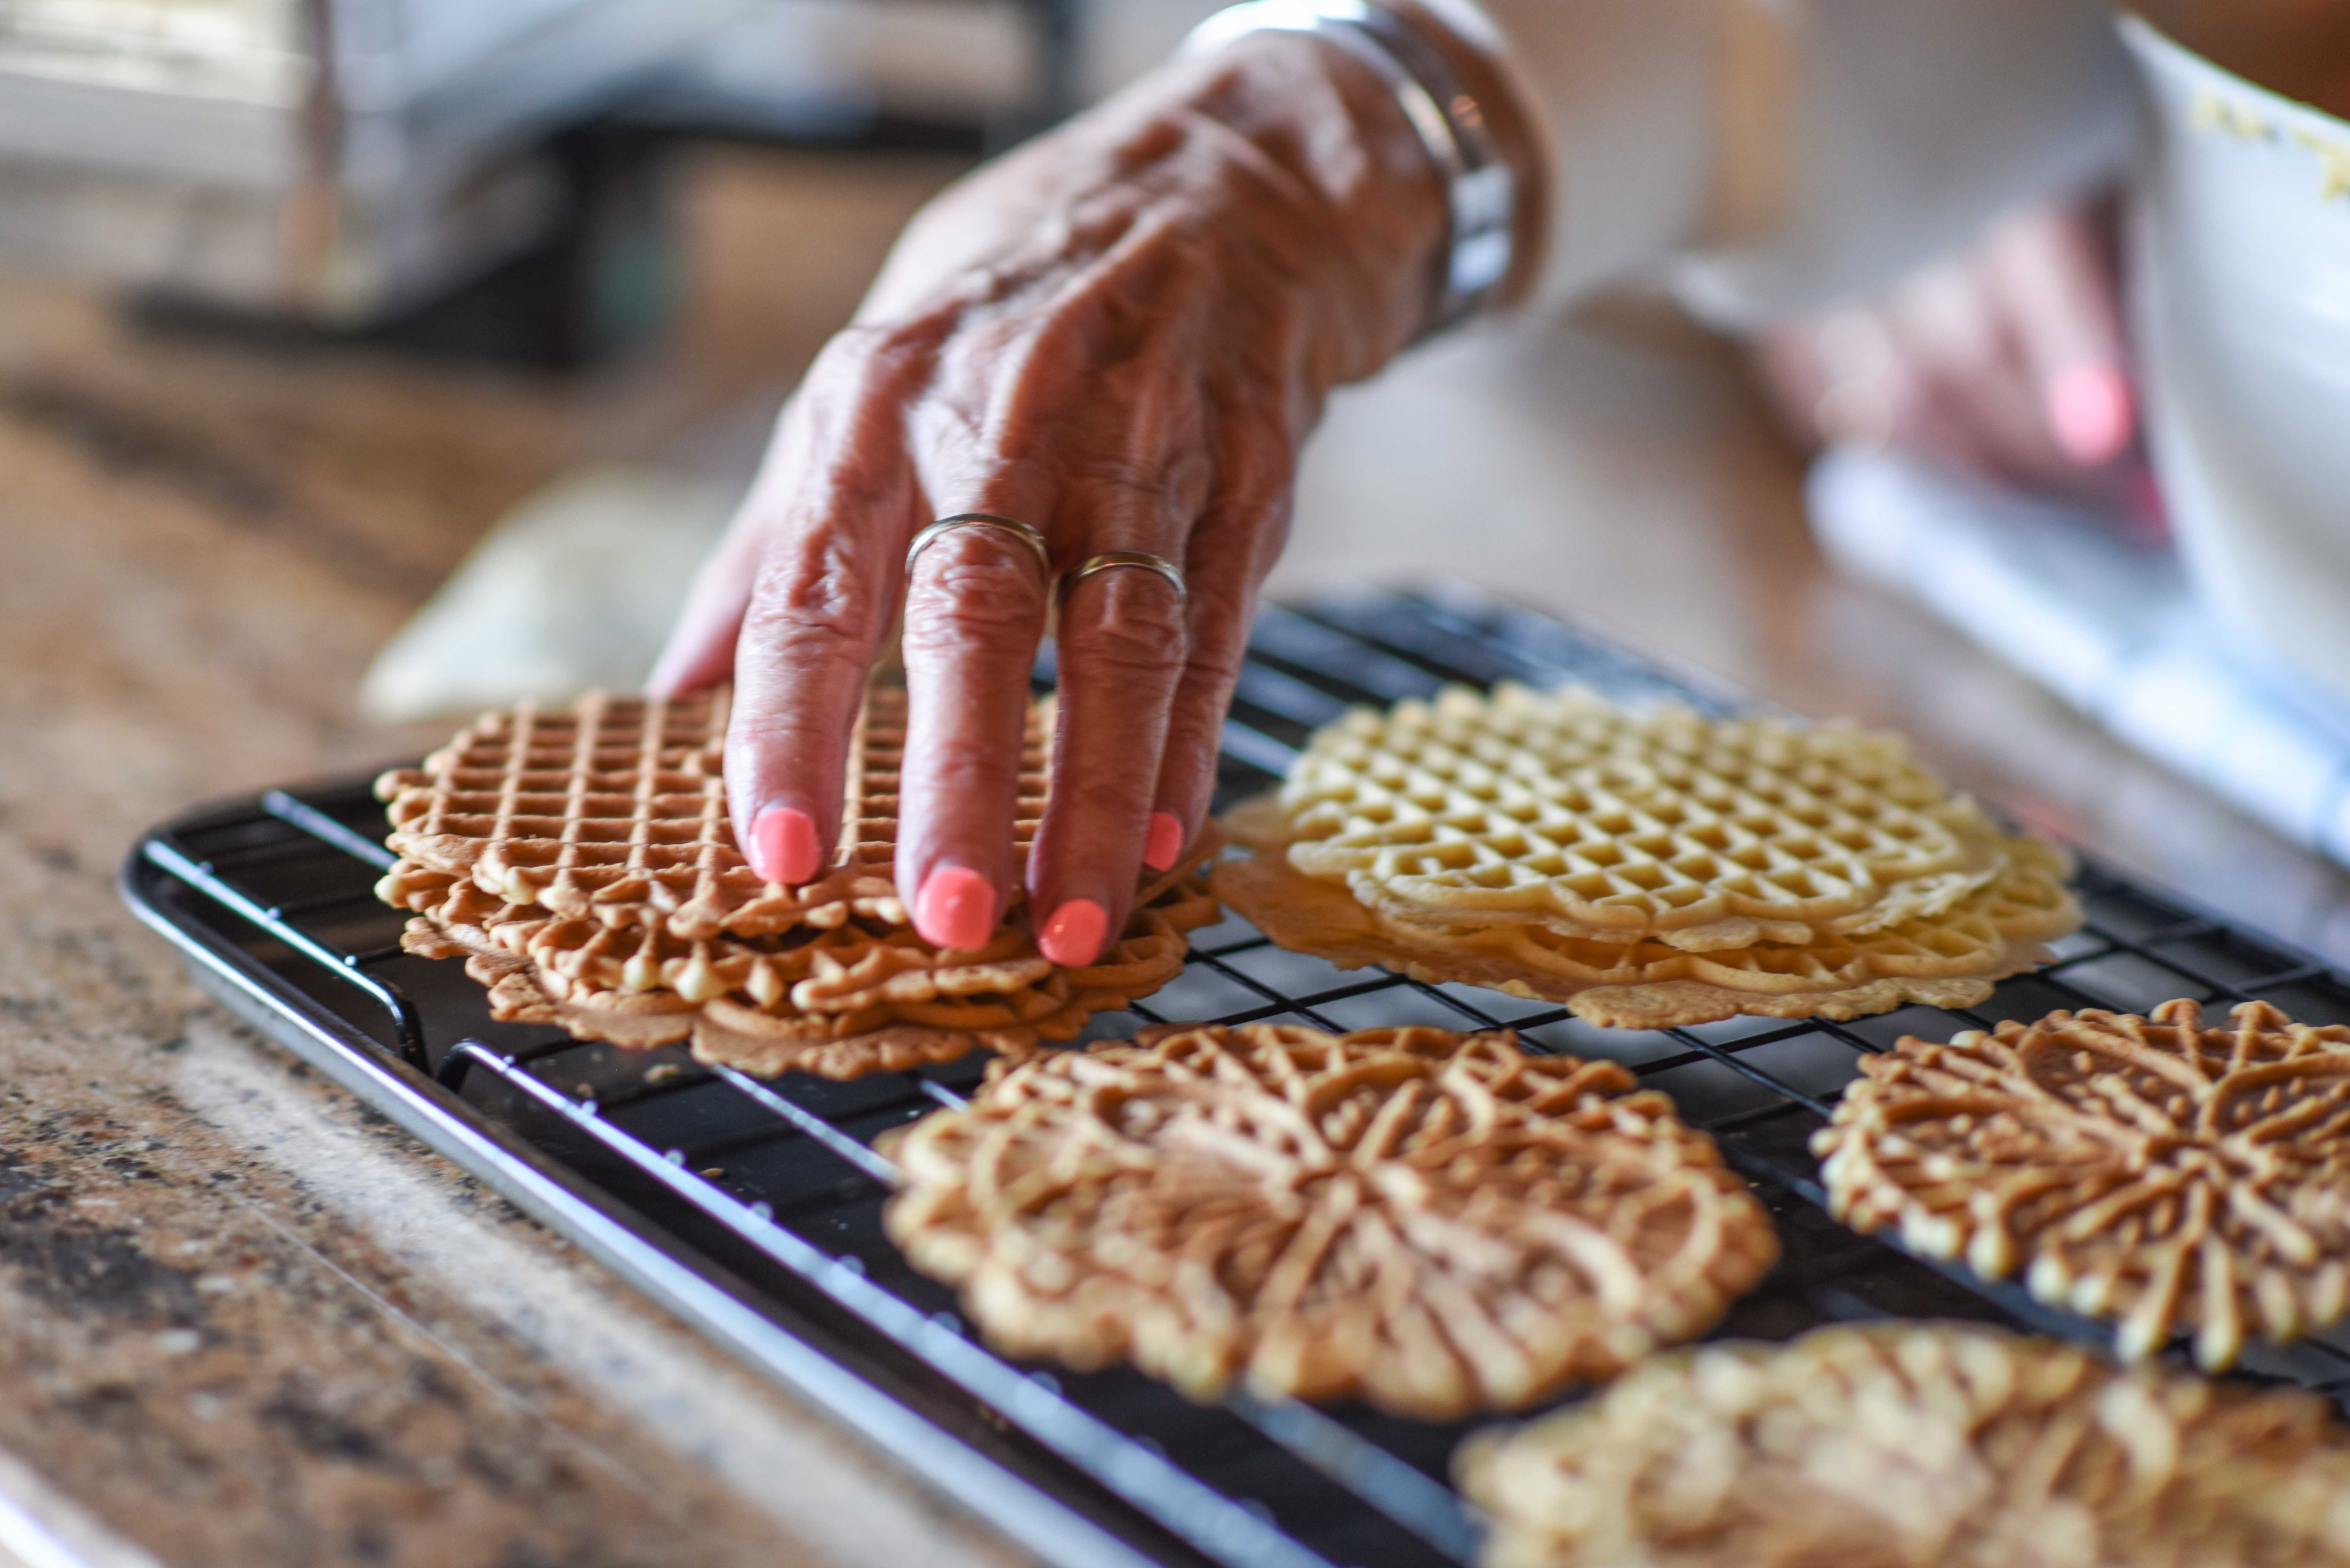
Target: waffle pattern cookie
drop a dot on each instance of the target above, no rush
(1646, 868)
(1916, 1446)
(583, 863)
(2159, 1171)
(1434, 1222)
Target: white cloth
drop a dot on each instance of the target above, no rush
(1769, 155)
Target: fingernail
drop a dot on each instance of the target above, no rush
(2092, 412)
(1074, 935)
(784, 846)
(1164, 845)
(956, 908)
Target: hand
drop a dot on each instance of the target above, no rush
(2008, 360)
(1119, 335)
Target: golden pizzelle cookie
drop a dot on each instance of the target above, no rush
(2155, 1170)
(1949, 961)
(839, 1003)
(1647, 868)
(1433, 1222)
(1915, 1446)
(614, 809)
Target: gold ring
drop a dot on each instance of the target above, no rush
(1110, 559)
(1020, 531)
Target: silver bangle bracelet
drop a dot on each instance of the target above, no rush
(1479, 187)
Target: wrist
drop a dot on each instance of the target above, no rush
(1453, 97)
(1365, 196)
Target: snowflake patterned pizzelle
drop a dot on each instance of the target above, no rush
(2157, 1171)
(1915, 1445)
(1434, 1222)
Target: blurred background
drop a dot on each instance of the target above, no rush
(365, 361)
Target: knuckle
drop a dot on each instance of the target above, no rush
(973, 590)
(1137, 627)
(1214, 665)
(821, 604)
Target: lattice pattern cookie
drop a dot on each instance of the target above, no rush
(614, 809)
(582, 861)
(1646, 868)
(840, 1003)
(1609, 823)
(2153, 1170)
(1950, 962)
(1436, 1223)
(1916, 1446)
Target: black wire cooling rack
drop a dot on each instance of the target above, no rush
(752, 1208)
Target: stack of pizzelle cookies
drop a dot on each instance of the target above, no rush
(581, 860)
(1647, 867)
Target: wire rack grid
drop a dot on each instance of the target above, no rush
(754, 1206)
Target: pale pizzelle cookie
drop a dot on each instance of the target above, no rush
(2159, 1171)
(1432, 1223)
(1915, 1446)
(1952, 961)
(1612, 823)
(1647, 868)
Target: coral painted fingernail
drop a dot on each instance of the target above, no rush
(1074, 935)
(2092, 412)
(784, 846)
(1164, 845)
(956, 908)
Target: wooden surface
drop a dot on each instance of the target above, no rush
(243, 1322)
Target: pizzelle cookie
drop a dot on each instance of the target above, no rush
(1646, 868)
(2159, 1171)
(582, 861)
(839, 1003)
(1905, 1445)
(1433, 1222)
(614, 809)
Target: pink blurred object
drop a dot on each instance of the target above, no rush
(2093, 412)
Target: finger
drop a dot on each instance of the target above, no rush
(2052, 271)
(816, 617)
(701, 648)
(1788, 362)
(1978, 403)
(1231, 551)
(1124, 640)
(1854, 375)
(974, 614)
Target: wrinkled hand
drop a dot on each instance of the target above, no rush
(2008, 360)
(1119, 335)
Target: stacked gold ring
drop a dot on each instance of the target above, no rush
(988, 520)
(1109, 560)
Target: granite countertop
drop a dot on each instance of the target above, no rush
(245, 1321)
